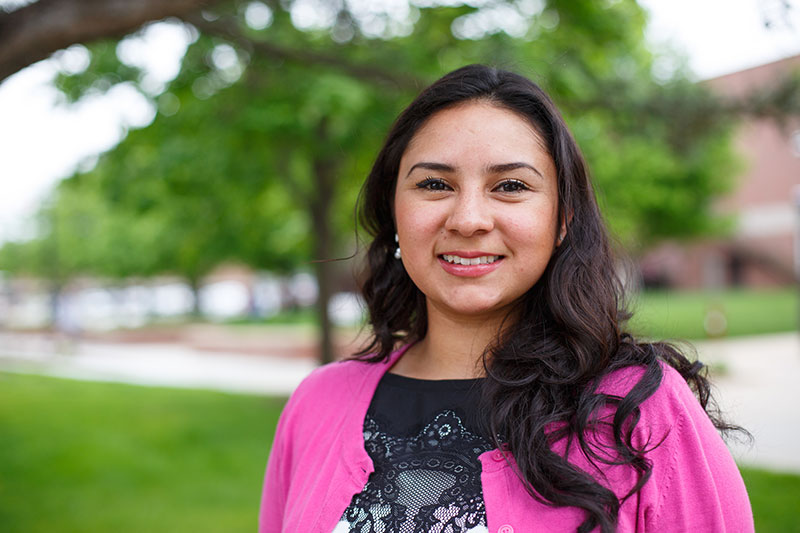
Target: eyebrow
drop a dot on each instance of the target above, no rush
(508, 167)
(492, 169)
(441, 167)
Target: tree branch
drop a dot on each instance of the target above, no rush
(35, 31)
(228, 29)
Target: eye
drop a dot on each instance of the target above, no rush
(511, 186)
(433, 184)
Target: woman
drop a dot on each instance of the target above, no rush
(515, 401)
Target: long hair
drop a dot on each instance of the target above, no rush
(543, 371)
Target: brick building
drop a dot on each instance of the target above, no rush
(759, 252)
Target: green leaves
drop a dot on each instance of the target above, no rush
(104, 71)
(241, 167)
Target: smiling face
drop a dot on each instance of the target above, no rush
(476, 209)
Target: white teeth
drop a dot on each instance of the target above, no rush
(482, 260)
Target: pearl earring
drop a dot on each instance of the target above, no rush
(397, 250)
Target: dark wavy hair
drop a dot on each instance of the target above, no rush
(543, 370)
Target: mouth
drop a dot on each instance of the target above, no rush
(470, 261)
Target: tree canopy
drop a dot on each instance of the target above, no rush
(259, 145)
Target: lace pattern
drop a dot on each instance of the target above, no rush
(426, 483)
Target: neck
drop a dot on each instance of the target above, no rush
(452, 348)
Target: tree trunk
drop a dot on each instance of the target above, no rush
(320, 216)
(194, 285)
(325, 281)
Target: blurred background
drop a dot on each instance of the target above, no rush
(178, 234)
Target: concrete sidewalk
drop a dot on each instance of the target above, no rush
(155, 364)
(757, 382)
(757, 379)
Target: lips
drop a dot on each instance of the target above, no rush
(480, 260)
(469, 264)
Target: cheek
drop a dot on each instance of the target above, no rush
(530, 230)
(417, 223)
(531, 237)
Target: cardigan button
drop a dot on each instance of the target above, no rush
(497, 455)
(505, 529)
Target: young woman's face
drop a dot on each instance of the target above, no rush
(476, 208)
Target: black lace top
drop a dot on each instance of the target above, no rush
(423, 439)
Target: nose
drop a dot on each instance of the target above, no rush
(470, 214)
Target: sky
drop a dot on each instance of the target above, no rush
(42, 140)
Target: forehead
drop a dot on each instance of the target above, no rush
(478, 129)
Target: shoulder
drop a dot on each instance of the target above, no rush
(694, 475)
(665, 415)
(672, 392)
(324, 403)
(332, 383)
(669, 426)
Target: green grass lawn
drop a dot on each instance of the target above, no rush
(306, 316)
(775, 498)
(680, 315)
(94, 457)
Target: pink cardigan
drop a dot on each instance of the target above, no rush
(318, 463)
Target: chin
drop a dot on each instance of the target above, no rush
(475, 309)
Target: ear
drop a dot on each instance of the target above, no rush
(563, 231)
